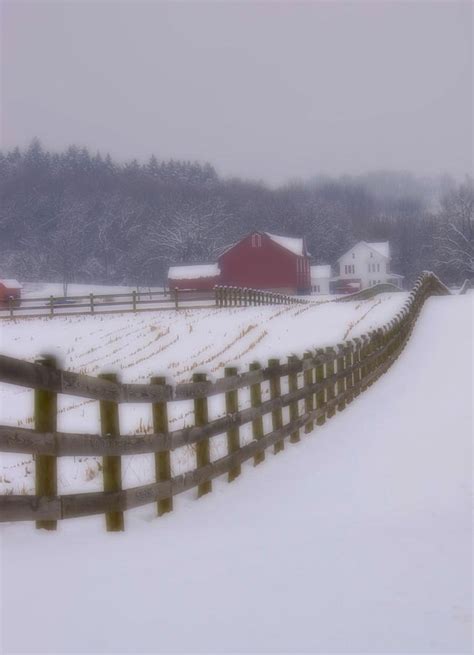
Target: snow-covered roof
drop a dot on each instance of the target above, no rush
(381, 247)
(321, 271)
(294, 245)
(193, 271)
(11, 284)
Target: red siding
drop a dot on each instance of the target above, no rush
(269, 266)
(6, 293)
(197, 284)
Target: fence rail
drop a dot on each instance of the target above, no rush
(332, 378)
(104, 303)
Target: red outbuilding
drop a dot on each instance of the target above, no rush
(193, 277)
(9, 290)
(267, 261)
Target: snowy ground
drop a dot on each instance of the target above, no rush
(356, 540)
(46, 289)
(173, 343)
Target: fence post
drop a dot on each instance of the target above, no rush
(162, 459)
(51, 305)
(10, 306)
(321, 393)
(91, 301)
(112, 464)
(277, 413)
(341, 382)
(364, 352)
(330, 392)
(293, 386)
(257, 423)
(309, 399)
(246, 297)
(349, 350)
(176, 297)
(46, 412)
(233, 436)
(357, 369)
(201, 418)
(134, 300)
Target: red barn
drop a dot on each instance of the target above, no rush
(9, 289)
(193, 277)
(267, 261)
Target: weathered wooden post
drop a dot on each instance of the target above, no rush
(46, 412)
(309, 399)
(349, 350)
(134, 300)
(356, 363)
(321, 393)
(293, 386)
(341, 381)
(233, 436)
(91, 302)
(51, 305)
(112, 464)
(10, 306)
(163, 458)
(246, 297)
(275, 393)
(176, 297)
(201, 418)
(330, 393)
(257, 423)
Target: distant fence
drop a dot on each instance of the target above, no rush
(246, 297)
(370, 292)
(331, 378)
(108, 303)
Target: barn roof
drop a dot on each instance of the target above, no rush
(323, 270)
(10, 284)
(294, 245)
(193, 271)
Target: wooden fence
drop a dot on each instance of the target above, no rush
(109, 303)
(332, 378)
(246, 297)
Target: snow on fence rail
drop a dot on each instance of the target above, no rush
(332, 378)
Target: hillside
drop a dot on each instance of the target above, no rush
(357, 539)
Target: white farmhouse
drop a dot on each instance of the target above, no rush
(320, 277)
(365, 265)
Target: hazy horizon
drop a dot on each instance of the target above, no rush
(265, 91)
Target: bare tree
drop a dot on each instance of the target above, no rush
(454, 241)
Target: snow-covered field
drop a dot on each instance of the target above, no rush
(356, 540)
(177, 344)
(46, 289)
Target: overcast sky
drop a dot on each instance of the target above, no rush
(266, 90)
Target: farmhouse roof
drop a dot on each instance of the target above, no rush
(322, 270)
(380, 247)
(193, 271)
(11, 284)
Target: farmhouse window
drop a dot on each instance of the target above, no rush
(256, 240)
(378, 268)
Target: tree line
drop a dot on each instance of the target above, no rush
(74, 216)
